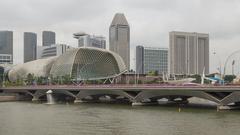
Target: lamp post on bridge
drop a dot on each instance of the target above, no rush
(233, 63)
(219, 62)
(135, 73)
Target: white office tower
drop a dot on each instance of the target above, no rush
(189, 52)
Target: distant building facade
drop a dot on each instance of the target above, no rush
(189, 52)
(48, 38)
(119, 38)
(86, 40)
(6, 47)
(30, 46)
(151, 59)
(52, 50)
(139, 60)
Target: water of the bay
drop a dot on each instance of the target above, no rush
(26, 118)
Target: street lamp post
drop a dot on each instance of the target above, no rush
(219, 62)
(139, 69)
(135, 73)
(233, 63)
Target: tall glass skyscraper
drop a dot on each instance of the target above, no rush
(48, 38)
(119, 37)
(151, 59)
(6, 47)
(30, 46)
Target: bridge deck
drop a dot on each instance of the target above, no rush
(229, 88)
(222, 95)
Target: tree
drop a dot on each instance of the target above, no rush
(41, 80)
(66, 79)
(139, 82)
(197, 77)
(30, 79)
(153, 73)
(229, 78)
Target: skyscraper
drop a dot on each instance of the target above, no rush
(139, 60)
(6, 47)
(30, 46)
(86, 40)
(48, 38)
(151, 59)
(119, 38)
(189, 52)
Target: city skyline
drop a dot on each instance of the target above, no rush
(150, 22)
(124, 67)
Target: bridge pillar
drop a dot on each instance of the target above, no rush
(224, 107)
(50, 98)
(35, 99)
(143, 103)
(227, 107)
(78, 100)
(137, 103)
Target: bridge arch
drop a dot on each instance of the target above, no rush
(151, 94)
(231, 98)
(85, 93)
(36, 94)
(65, 92)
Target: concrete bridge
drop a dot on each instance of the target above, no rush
(135, 94)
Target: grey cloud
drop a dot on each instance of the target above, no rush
(45, 12)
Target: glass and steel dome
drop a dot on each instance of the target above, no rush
(88, 64)
(39, 68)
(79, 64)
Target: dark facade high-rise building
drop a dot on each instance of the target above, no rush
(119, 38)
(48, 38)
(139, 59)
(6, 47)
(30, 46)
(189, 52)
(151, 59)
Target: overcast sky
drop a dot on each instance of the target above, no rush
(150, 21)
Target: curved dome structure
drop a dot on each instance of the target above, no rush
(40, 68)
(88, 64)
